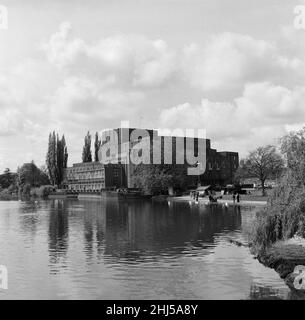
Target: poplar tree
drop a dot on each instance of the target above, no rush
(87, 155)
(57, 158)
(97, 145)
(65, 164)
(51, 158)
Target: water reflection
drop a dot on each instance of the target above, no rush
(131, 249)
(136, 231)
(58, 231)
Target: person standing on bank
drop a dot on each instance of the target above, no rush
(238, 197)
(234, 197)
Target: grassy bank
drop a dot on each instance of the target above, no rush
(282, 218)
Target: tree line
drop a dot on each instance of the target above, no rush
(262, 163)
(21, 182)
(284, 216)
(87, 153)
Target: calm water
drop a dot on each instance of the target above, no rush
(69, 249)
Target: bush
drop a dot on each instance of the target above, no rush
(26, 190)
(42, 191)
(5, 195)
(283, 218)
(45, 190)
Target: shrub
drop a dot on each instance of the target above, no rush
(42, 191)
(5, 195)
(26, 189)
(283, 218)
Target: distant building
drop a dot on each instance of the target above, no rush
(220, 166)
(96, 176)
(93, 176)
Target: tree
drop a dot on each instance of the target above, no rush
(87, 155)
(7, 178)
(57, 158)
(262, 163)
(241, 173)
(65, 163)
(97, 145)
(284, 215)
(157, 178)
(293, 148)
(152, 178)
(30, 174)
(62, 158)
(51, 160)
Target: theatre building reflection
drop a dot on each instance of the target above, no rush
(138, 230)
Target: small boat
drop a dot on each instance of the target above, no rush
(132, 193)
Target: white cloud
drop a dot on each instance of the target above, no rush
(247, 88)
(260, 115)
(227, 61)
(134, 59)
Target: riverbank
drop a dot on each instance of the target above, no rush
(245, 201)
(287, 258)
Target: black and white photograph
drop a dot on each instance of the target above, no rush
(152, 150)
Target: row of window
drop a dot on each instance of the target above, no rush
(74, 181)
(85, 169)
(216, 166)
(86, 187)
(94, 174)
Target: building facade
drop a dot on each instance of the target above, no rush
(116, 168)
(220, 166)
(92, 177)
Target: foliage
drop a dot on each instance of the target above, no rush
(241, 173)
(284, 216)
(156, 179)
(57, 158)
(6, 194)
(262, 163)
(62, 158)
(293, 148)
(26, 190)
(51, 160)
(87, 155)
(42, 191)
(30, 174)
(97, 145)
(7, 178)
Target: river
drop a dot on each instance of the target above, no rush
(72, 249)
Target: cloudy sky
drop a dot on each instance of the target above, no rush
(233, 67)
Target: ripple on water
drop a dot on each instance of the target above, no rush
(111, 250)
